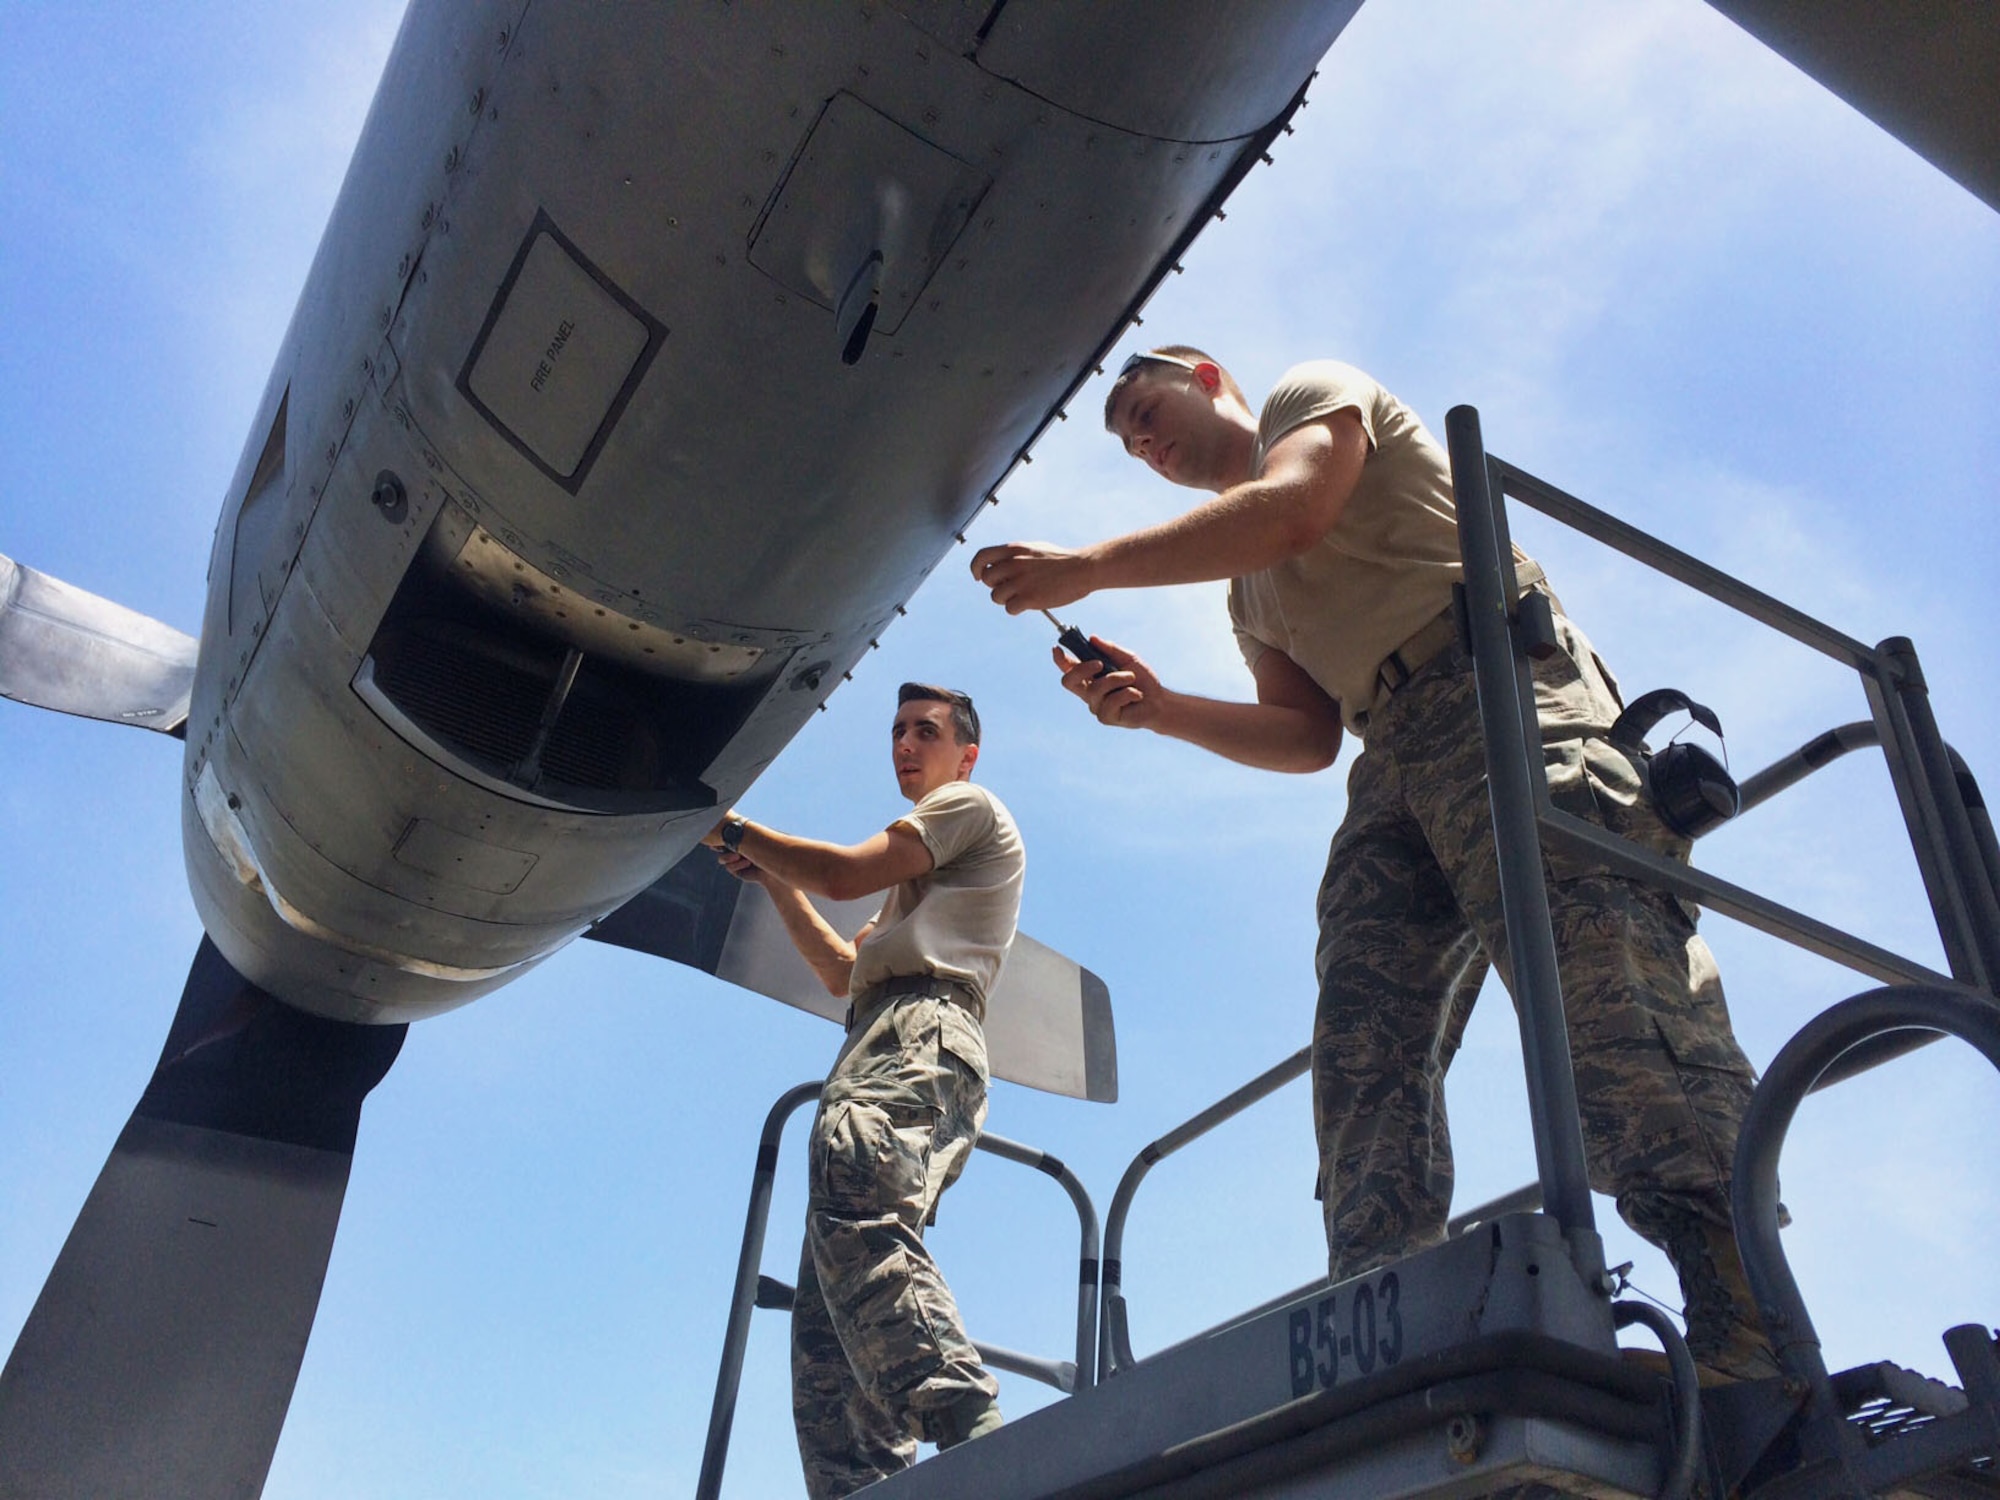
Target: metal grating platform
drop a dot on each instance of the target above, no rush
(1888, 1403)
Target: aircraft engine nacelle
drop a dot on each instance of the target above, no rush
(652, 358)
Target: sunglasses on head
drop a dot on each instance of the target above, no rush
(1148, 358)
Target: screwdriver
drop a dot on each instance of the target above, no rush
(1076, 643)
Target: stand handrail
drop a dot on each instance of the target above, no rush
(1798, 1068)
(1950, 831)
(1116, 1348)
(1088, 1268)
(1824, 749)
(1517, 788)
(743, 1298)
(754, 1290)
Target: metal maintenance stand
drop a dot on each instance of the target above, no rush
(754, 1290)
(1876, 1428)
(1492, 1360)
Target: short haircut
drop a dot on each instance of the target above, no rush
(964, 717)
(1149, 363)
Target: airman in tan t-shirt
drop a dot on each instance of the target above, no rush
(1383, 571)
(880, 1355)
(1331, 515)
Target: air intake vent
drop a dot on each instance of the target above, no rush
(599, 742)
(465, 693)
(497, 697)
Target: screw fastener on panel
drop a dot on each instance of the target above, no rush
(389, 497)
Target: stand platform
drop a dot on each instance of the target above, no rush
(1479, 1364)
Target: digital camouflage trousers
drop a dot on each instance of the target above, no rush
(1410, 920)
(880, 1358)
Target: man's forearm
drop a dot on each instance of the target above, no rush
(1243, 530)
(830, 955)
(1269, 736)
(824, 869)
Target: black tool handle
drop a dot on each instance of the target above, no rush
(1077, 644)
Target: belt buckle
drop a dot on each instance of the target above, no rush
(1393, 685)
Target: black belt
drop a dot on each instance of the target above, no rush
(1422, 648)
(1400, 665)
(955, 990)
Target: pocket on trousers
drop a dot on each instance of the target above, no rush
(873, 1158)
(915, 1023)
(1594, 780)
(1701, 1039)
(961, 1037)
(1570, 790)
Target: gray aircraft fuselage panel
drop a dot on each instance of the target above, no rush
(564, 508)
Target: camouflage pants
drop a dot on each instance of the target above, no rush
(1410, 919)
(879, 1355)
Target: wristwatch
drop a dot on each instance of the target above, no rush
(732, 832)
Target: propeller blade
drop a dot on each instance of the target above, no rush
(160, 1358)
(1048, 1025)
(65, 649)
(1048, 1021)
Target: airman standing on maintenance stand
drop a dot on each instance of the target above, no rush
(1332, 519)
(880, 1356)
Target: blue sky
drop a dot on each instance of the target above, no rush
(1676, 277)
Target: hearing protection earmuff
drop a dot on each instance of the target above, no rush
(1689, 788)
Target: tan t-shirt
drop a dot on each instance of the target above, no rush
(1386, 568)
(958, 921)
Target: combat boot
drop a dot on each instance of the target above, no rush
(973, 1415)
(1724, 1333)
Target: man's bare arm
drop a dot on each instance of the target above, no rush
(1293, 725)
(830, 955)
(826, 952)
(842, 872)
(1308, 478)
